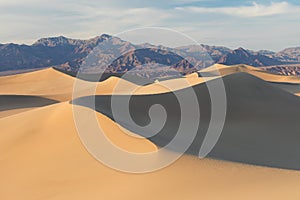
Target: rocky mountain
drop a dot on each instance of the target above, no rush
(290, 54)
(114, 55)
(288, 70)
(255, 59)
(46, 52)
(287, 55)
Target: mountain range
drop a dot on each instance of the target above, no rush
(115, 55)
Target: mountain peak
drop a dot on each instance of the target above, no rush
(241, 53)
(242, 56)
(241, 49)
(106, 36)
(62, 40)
(55, 41)
(102, 37)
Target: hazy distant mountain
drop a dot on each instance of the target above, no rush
(241, 55)
(288, 55)
(288, 70)
(202, 56)
(151, 56)
(118, 56)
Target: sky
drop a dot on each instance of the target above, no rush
(271, 25)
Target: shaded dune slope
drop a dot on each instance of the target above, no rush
(14, 104)
(261, 124)
(10, 102)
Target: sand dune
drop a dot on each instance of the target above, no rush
(42, 157)
(258, 128)
(287, 83)
(223, 70)
(289, 87)
(52, 84)
(219, 69)
(8, 113)
(171, 85)
(56, 85)
(47, 83)
(13, 104)
(46, 160)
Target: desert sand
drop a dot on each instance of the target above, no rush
(219, 69)
(43, 158)
(258, 129)
(287, 83)
(46, 160)
(10, 102)
(52, 84)
(58, 86)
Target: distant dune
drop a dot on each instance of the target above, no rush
(42, 157)
(288, 83)
(255, 71)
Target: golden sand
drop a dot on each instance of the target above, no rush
(42, 157)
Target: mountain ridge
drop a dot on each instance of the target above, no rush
(69, 54)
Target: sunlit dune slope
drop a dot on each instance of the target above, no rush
(119, 86)
(172, 85)
(52, 84)
(57, 121)
(7, 113)
(287, 83)
(41, 157)
(47, 83)
(223, 70)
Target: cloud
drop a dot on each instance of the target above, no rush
(28, 22)
(254, 10)
(186, 1)
(221, 24)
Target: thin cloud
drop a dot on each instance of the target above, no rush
(254, 10)
(28, 20)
